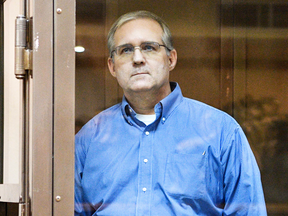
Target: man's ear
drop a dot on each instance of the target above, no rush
(111, 66)
(172, 59)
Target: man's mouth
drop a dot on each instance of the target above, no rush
(139, 73)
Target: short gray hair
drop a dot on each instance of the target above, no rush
(166, 36)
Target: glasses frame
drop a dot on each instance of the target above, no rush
(139, 47)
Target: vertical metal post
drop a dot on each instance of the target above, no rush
(42, 104)
(24, 193)
(64, 100)
(21, 72)
(1, 92)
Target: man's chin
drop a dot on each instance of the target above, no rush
(141, 88)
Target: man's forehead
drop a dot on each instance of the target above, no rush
(146, 26)
(144, 19)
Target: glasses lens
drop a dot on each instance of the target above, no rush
(125, 49)
(150, 47)
(146, 47)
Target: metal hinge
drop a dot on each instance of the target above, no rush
(23, 47)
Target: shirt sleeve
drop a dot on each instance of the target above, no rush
(243, 193)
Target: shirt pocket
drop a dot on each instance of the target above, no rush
(185, 175)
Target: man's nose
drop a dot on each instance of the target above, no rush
(138, 57)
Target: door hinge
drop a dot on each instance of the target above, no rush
(23, 47)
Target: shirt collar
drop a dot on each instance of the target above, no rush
(170, 102)
(166, 105)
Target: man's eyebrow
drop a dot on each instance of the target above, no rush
(129, 44)
(126, 44)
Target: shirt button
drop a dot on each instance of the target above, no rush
(163, 119)
(147, 133)
(130, 110)
(145, 160)
(144, 189)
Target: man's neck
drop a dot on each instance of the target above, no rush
(144, 102)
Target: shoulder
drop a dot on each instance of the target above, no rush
(89, 130)
(207, 113)
(213, 125)
(102, 116)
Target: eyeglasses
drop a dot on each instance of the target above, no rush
(146, 48)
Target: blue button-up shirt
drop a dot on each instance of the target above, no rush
(192, 160)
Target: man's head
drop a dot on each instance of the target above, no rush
(166, 36)
(140, 60)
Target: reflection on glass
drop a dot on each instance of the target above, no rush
(198, 37)
(266, 111)
(91, 64)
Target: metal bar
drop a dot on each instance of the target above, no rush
(64, 120)
(22, 143)
(26, 89)
(1, 92)
(24, 198)
(42, 119)
(22, 72)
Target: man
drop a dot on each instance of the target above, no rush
(157, 152)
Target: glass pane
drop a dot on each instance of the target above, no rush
(196, 39)
(267, 101)
(90, 64)
(262, 108)
(262, 111)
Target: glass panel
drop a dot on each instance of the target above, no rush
(267, 101)
(90, 64)
(196, 39)
(262, 108)
(260, 75)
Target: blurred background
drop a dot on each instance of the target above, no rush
(232, 55)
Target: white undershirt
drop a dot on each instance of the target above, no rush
(147, 119)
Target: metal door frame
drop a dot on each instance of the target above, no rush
(53, 107)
